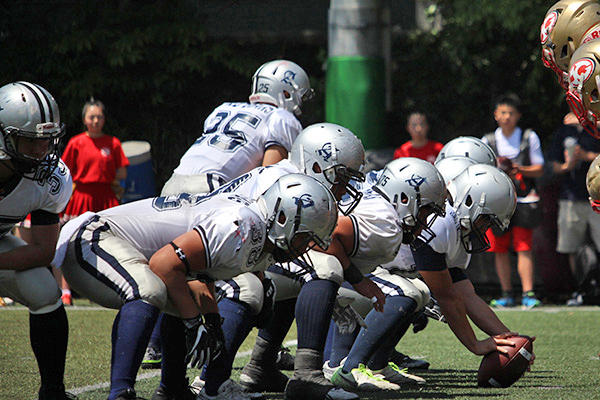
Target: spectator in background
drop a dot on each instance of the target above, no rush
(520, 156)
(571, 154)
(97, 164)
(419, 145)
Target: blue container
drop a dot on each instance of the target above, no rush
(139, 183)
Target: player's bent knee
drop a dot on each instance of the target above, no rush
(327, 267)
(251, 291)
(39, 290)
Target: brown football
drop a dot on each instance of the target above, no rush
(502, 370)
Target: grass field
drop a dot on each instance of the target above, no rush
(567, 364)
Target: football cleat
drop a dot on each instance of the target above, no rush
(394, 374)
(152, 358)
(404, 361)
(229, 390)
(362, 378)
(285, 360)
(503, 302)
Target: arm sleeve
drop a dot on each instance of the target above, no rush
(427, 259)
(283, 128)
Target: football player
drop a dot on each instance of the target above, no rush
(139, 256)
(34, 180)
(240, 136)
(479, 197)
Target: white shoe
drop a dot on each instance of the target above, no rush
(197, 385)
(394, 374)
(229, 390)
(362, 378)
(329, 371)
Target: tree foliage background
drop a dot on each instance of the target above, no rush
(160, 74)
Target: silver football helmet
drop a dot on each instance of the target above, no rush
(28, 111)
(333, 155)
(298, 204)
(471, 147)
(482, 196)
(416, 190)
(282, 83)
(451, 167)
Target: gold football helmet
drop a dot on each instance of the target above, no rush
(592, 181)
(567, 25)
(583, 95)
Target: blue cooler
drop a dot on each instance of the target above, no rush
(139, 183)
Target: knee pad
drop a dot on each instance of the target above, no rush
(327, 267)
(38, 290)
(250, 291)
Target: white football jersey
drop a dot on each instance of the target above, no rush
(235, 138)
(232, 229)
(447, 240)
(378, 232)
(51, 195)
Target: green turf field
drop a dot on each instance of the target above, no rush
(567, 365)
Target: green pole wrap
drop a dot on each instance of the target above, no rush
(355, 97)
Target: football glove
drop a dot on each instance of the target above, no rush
(204, 339)
(419, 322)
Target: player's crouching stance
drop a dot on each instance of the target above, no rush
(189, 240)
(33, 180)
(478, 198)
(414, 191)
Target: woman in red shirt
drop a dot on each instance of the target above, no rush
(97, 164)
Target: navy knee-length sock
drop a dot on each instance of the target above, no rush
(130, 335)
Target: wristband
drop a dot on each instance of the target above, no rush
(181, 256)
(352, 275)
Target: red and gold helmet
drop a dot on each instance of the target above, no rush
(567, 25)
(583, 94)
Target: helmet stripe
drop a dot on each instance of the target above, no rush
(37, 98)
(48, 102)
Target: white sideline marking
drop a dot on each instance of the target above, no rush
(148, 375)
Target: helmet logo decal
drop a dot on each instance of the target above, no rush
(306, 200)
(548, 26)
(592, 34)
(289, 77)
(581, 71)
(325, 151)
(416, 180)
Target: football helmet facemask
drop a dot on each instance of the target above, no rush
(468, 146)
(482, 196)
(282, 83)
(416, 190)
(29, 112)
(334, 156)
(301, 212)
(567, 25)
(583, 95)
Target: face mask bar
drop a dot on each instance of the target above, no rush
(595, 205)
(475, 239)
(341, 175)
(587, 119)
(550, 62)
(30, 167)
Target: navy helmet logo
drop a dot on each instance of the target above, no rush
(289, 77)
(416, 181)
(325, 151)
(305, 200)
